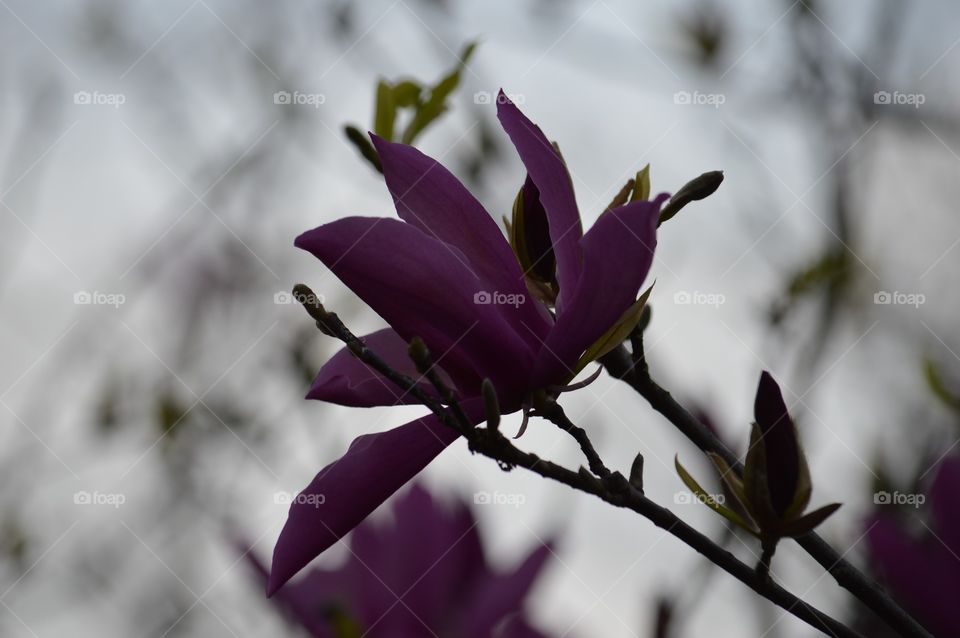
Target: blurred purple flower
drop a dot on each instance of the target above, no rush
(920, 565)
(446, 274)
(424, 573)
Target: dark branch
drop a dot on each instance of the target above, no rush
(612, 487)
(633, 371)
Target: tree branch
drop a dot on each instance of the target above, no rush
(633, 371)
(612, 488)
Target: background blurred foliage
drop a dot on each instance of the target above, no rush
(189, 397)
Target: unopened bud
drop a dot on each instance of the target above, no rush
(311, 303)
(420, 354)
(636, 473)
(696, 189)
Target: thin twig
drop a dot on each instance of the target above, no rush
(555, 414)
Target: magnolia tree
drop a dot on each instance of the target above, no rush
(485, 322)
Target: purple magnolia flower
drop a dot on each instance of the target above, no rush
(445, 273)
(422, 574)
(921, 564)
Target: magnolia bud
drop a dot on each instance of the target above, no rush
(696, 189)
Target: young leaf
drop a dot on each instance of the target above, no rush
(641, 189)
(709, 501)
(807, 522)
(436, 103)
(617, 333)
(385, 113)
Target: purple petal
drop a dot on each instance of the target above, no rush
(536, 234)
(518, 627)
(303, 601)
(549, 174)
(441, 555)
(617, 254)
(945, 501)
(779, 442)
(346, 380)
(502, 596)
(349, 489)
(423, 287)
(429, 197)
(923, 576)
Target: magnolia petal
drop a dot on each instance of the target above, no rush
(548, 172)
(349, 489)
(945, 502)
(779, 439)
(617, 333)
(617, 254)
(346, 380)
(429, 197)
(503, 595)
(424, 288)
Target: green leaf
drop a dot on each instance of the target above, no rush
(641, 188)
(436, 103)
(616, 334)
(406, 93)
(709, 501)
(386, 111)
(730, 479)
(808, 522)
(938, 387)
